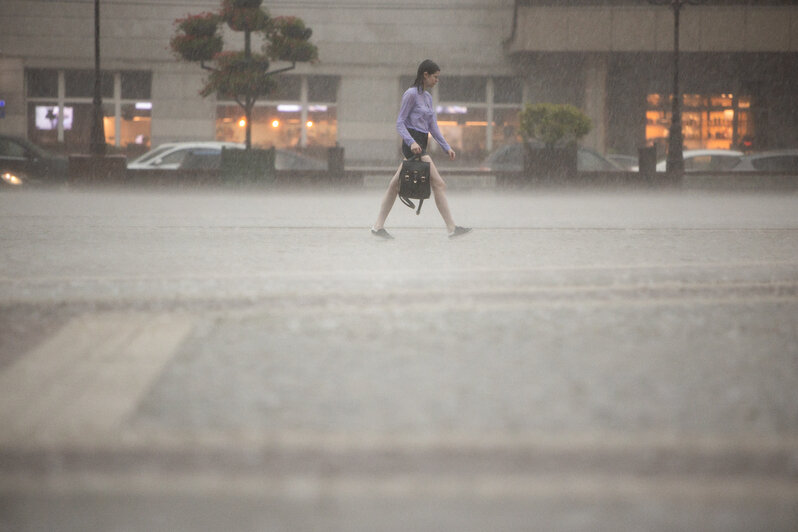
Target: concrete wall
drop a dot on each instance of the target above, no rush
(750, 28)
(12, 91)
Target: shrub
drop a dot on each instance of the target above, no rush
(201, 25)
(554, 123)
(193, 48)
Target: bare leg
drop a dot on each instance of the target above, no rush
(388, 200)
(439, 191)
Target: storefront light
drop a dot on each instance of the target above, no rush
(452, 109)
(242, 122)
(309, 123)
(144, 106)
(275, 123)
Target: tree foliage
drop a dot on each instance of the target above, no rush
(243, 76)
(554, 124)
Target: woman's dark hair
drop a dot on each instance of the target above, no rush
(430, 67)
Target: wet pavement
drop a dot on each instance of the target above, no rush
(227, 359)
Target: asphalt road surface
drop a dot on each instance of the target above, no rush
(228, 359)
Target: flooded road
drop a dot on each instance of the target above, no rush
(254, 360)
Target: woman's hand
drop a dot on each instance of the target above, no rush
(415, 148)
(451, 154)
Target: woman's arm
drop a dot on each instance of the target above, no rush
(438, 136)
(404, 111)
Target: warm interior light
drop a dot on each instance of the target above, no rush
(310, 123)
(242, 122)
(275, 123)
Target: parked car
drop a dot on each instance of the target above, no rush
(626, 162)
(171, 155)
(706, 160)
(23, 162)
(509, 158)
(769, 161)
(208, 155)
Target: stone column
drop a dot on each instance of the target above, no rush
(596, 101)
(367, 106)
(12, 84)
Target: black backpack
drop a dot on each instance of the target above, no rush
(414, 182)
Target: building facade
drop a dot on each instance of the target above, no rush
(612, 58)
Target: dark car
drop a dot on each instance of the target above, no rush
(509, 158)
(23, 162)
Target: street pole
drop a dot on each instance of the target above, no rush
(675, 162)
(97, 141)
(675, 159)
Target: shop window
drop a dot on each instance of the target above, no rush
(712, 121)
(280, 125)
(285, 120)
(42, 83)
(464, 128)
(60, 108)
(135, 127)
(136, 85)
(323, 88)
(287, 88)
(462, 89)
(80, 132)
(507, 90)
(506, 125)
(80, 84)
(322, 125)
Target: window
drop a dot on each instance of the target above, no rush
(60, 110)
(323, 88)
(80, 84)
(709, 121)
(477, 115)
(287, 119)
(462, 89)
(42, 83)
(507, 90)
(288, 87)
(136, 85)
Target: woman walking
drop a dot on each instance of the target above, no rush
(416, 121)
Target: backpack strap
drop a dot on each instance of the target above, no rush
(407, 202)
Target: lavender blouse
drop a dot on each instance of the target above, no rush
(417, 112)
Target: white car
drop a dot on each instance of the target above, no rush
(194, 155)
(706, 160)
(171, 155)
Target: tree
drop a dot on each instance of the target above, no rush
(243, 76)
(553, 123)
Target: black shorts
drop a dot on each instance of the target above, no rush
(420, 138)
